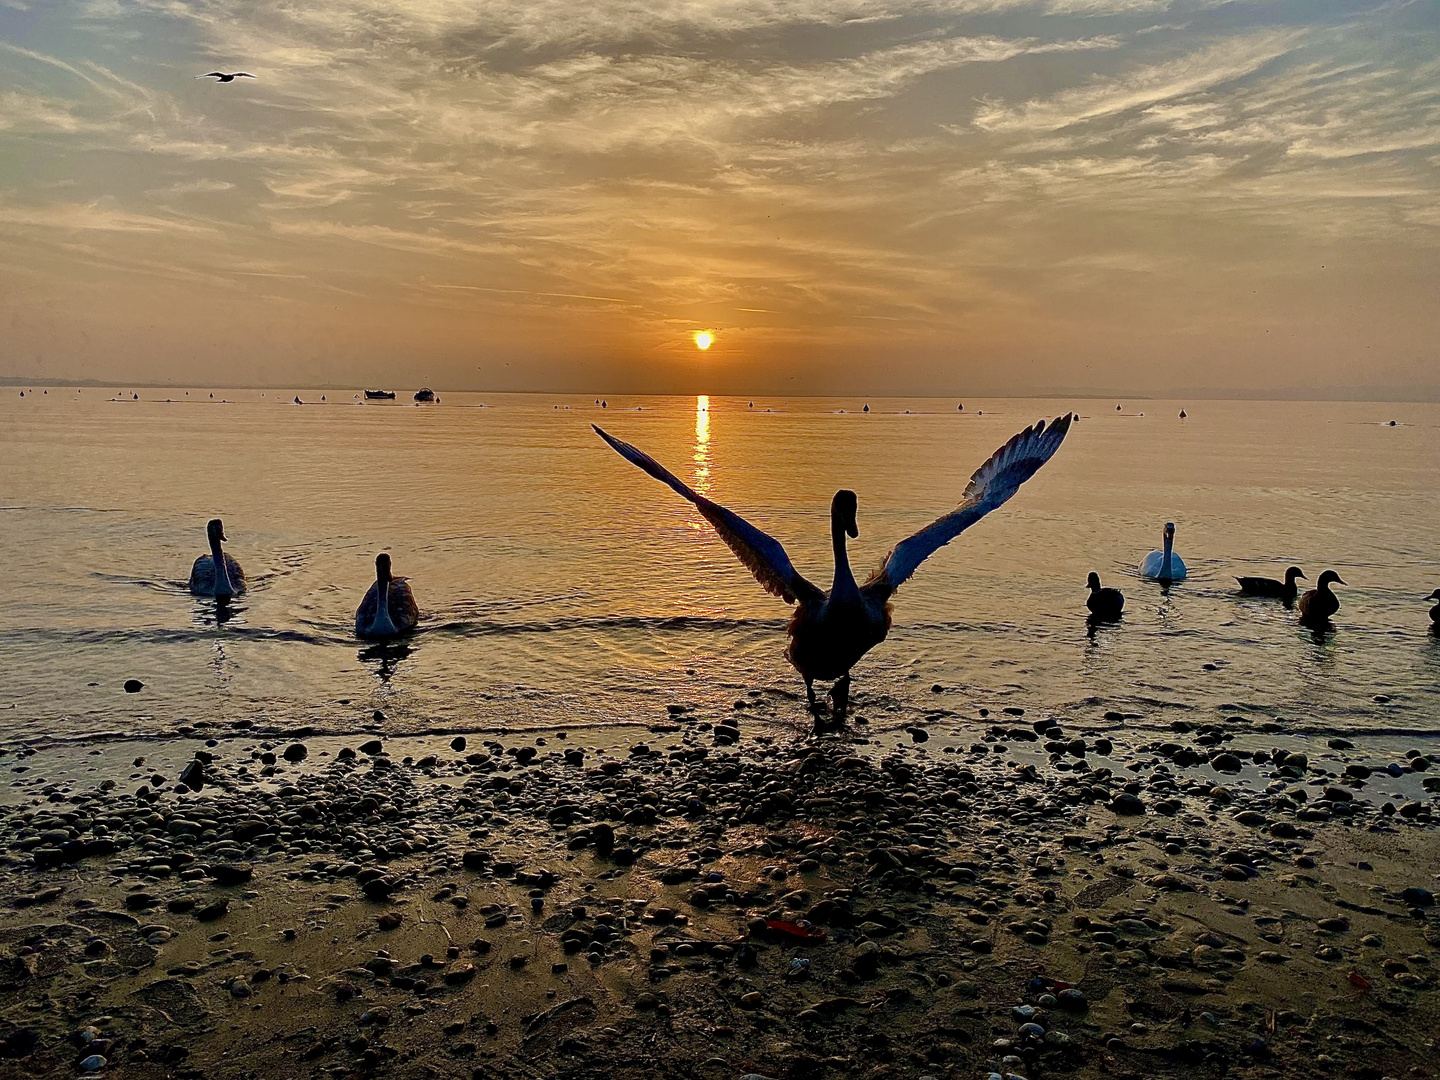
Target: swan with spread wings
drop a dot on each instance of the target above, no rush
(830, 631)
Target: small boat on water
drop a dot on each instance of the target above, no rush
(379, 395)
(425, 394)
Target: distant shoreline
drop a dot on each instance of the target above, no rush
(1390, 395)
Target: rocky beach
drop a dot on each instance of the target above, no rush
(717, 897)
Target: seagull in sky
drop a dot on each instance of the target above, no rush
(224, 77)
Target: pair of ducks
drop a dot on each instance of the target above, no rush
(388, 609)
(1316, 605)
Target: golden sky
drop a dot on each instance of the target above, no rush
(942, 196)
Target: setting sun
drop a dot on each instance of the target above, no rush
(703, 339)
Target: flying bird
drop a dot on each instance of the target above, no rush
(831, 631)
(221, 76)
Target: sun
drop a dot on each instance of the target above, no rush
(703, 339)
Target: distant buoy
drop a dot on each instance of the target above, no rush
(1117, 408)
(959, 408)
(1393, 423)
(866, 409)
(752, 404)
(1182, 414)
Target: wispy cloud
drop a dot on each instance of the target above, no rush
(1150, 85)
(810, 174)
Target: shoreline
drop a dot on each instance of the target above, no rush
(945, 881)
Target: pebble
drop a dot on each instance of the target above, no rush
(1127, 804)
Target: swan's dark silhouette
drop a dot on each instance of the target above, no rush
(1276, 590)
(1317, 605)
(221, 76)
(216, 574)
(831, 631)
(389, 608)
(1435, 611)
(1105, 604)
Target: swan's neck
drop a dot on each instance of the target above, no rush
(382, 604)
(1168, 562)
(844, 585)
(223, 587)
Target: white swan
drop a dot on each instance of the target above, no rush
(216, 574)
(389, 608)
(1164, 565)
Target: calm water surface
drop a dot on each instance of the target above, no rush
(560, 586)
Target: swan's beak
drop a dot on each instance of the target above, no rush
(852, 528)
(1339, 581)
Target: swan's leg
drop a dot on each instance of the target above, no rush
(840, 697)
(810, 693)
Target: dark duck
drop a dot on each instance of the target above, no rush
(1275, 590)
(1319, 604)
(1105, 604)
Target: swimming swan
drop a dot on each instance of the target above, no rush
(831, 631)
(1276, 590)
(1317, 605)
(1105, 604)
(1164, 565)
(388, 609)
(204, 578)
(1435, 611)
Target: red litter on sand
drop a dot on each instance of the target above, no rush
(798, 931)
(1356, 979)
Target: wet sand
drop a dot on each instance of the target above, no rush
(1107, 899)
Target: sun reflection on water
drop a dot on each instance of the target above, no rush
(701, 457)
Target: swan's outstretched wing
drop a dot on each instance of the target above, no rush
(993, 483)
(758, 550)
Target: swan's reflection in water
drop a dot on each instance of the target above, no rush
(216, 611)
(385, 656)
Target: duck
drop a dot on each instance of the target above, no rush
(1435, 611)
(216, 574)
(1276, 590)
(1164, 565)
(1105, 604)
(1319, 603)
(389, 608)
(832, 629)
